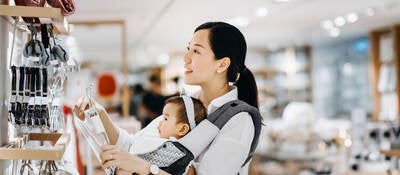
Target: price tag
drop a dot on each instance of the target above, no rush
(13, 98)
(95, 120)
(31, 100)
(38, 100)
(26, 99)
(54, 62)
(45, 101)
(33, 59)
(19, 98)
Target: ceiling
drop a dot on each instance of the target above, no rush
(156, 27)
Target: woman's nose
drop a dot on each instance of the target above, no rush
(186, 57)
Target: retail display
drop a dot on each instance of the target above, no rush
(28, 102)
(38, 70)
(41, 74)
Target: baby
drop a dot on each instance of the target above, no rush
(180, 115)
(176, 122)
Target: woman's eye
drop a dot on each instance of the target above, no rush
(195, 51)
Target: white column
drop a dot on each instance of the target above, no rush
(3, 88)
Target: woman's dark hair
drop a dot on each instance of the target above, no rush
(200, 112)
(227, 41)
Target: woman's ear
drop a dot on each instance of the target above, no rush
(183, 129)
(223, 64)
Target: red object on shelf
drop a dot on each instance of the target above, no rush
(107, 85)
(67, 6)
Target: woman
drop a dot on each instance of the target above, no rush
(215, 57)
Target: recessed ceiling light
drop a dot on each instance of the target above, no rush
(261, 12)
(327, 24)
(240, 21)
(340, 21)
(352, 17)
(282, 0)
(335, 32)
(163, 58)
(370, 12)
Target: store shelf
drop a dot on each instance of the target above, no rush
(56, 152)
(391, 153)
(45, 14)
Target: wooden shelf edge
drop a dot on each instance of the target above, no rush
(46, 15)
(391, 153)
(56, 153)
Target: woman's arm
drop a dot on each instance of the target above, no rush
(111, 129)
(117, 156)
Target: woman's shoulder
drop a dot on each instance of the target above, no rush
(240, 120)
(240, 128)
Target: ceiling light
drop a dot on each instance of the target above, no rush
(327, 24)
(352, 17)
(370, 12)
(240, 21)
(340, 21)
(261, 12)
(282, 0)
(163, 58)
(335, 32)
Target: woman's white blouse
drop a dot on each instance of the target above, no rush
(230, 148)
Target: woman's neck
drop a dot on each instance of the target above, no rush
(212, 91)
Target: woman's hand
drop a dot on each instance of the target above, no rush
(191, 171)
(116, 156)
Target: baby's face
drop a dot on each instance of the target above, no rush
(169, 127)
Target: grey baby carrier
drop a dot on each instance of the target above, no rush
(174, 157)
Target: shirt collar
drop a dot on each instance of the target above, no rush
(219, 101)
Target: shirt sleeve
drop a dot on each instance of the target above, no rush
(125, 139)
(229, 149)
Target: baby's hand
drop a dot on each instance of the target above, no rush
(80, 107)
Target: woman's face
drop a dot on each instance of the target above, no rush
(200, 63)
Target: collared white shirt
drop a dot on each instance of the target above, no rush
(227, 152)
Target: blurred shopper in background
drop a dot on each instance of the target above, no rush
(137, 92)
(152, 102)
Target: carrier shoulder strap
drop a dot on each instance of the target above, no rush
(223, 114)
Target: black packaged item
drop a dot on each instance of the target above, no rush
(13, 98)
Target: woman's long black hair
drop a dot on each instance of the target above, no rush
(227, 41)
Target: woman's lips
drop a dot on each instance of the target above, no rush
(187, 71)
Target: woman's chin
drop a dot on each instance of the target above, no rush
(189, 81)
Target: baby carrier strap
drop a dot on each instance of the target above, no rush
(179, 166)
(223, 114)
(171, 157)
